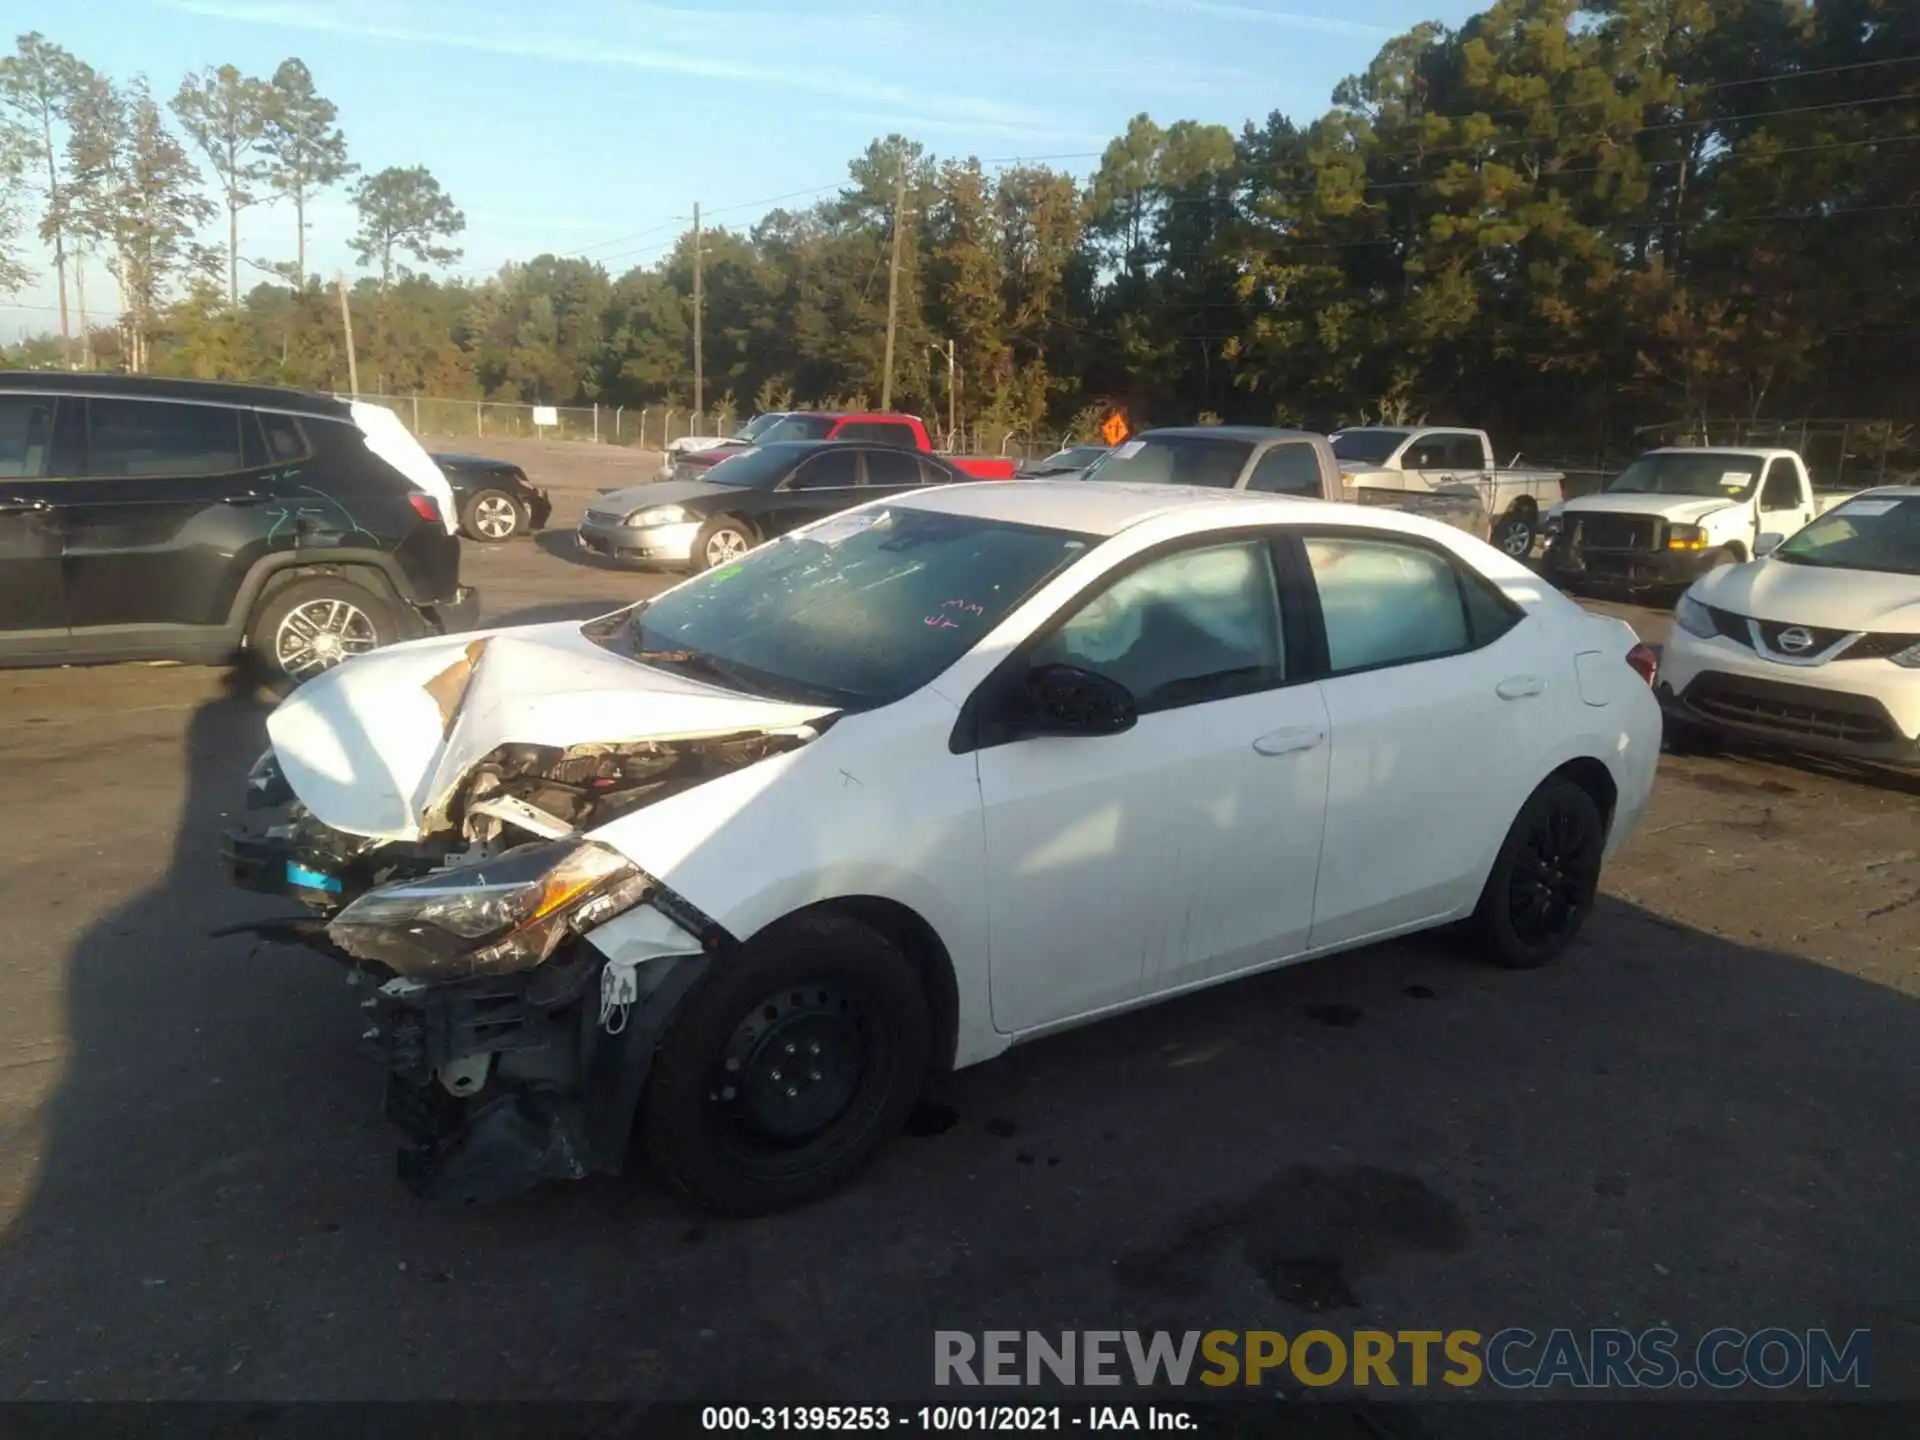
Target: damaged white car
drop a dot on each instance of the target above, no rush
(737, 868)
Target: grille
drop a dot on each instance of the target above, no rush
(1791, 710)
(1619, 532)
(1880, 647)
(1823, 640)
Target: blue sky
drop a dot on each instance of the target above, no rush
(591, 126)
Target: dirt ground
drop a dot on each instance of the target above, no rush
(1705, 1115)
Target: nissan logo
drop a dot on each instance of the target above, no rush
(1796, 640)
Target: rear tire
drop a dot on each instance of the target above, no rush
(1515, 532)
(306, 628)
(1544, 879)
(787, 1068)
(492, 517)
(721, 541)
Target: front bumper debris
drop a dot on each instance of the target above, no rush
(1627, 569)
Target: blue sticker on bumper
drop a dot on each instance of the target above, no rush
(298, 874)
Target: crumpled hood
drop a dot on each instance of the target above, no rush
(375, 746)
(1676, 509)
(1827, 599)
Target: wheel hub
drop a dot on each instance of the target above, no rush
(792, 1066)
(320, 634)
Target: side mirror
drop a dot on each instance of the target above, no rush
(1064, 700)
(1767, 544)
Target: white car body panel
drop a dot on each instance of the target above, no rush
(1064, 878)
(1856, 602)
(363, 744)
(388, 438)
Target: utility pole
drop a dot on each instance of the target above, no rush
(953, 396)
(346, 323)
(699, 304)
(893, 273)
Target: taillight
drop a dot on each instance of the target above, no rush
(1645, 661)
(425, 506)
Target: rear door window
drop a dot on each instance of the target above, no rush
(1462, 452)
(26, 436)
(893, 468)
(154, 438)
(879, 432)
(829, 470)
(286, 441)
(1291, 469)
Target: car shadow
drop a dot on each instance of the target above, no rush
(1666, 1126)
(562, 546)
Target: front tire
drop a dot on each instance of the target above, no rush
(492, 517)
(721, 541)
(787, 1068)
(310, 626)
(1544, 879)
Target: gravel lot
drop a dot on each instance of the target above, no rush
(1705, 1115)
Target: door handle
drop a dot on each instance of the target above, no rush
(14, 505)
(1288, 742)
(245, 497)
(1520, 687)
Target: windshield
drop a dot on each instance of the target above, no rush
(753, 469)
(858, 611)
(758, 426)
(1074, 457)
(1870, 533)
(1702, 474)
(797, 427)
(1175, 460)
(1367, 447)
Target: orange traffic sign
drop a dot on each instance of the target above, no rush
(1115, 428)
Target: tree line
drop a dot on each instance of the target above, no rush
(1563, 221)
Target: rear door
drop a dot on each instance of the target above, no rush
(894, 472)
(176, 502)
(33, 613)
(1442, 696)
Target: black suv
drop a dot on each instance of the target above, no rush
(144, 519)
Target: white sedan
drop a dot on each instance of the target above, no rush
(745, 862)
(1815, 647)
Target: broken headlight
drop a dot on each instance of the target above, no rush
(504, 914)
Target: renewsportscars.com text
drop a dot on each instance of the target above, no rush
(1774, 1358)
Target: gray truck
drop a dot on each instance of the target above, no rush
(1280, 462)
(1447, 459)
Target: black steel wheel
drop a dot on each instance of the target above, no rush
(787, 1068)
(1545, 878)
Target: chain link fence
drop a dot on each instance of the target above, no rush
(645, 427)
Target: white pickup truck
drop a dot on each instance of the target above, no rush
(1676, 513)
(1444, 459)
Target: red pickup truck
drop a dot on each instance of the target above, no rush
(883, 427)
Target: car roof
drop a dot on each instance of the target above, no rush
(1107, 507)
(807, 447)
(899, 416)
(1230, 432)
(163, 387)
(1745, 452)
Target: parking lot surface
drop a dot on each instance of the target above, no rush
(1703, 1115)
